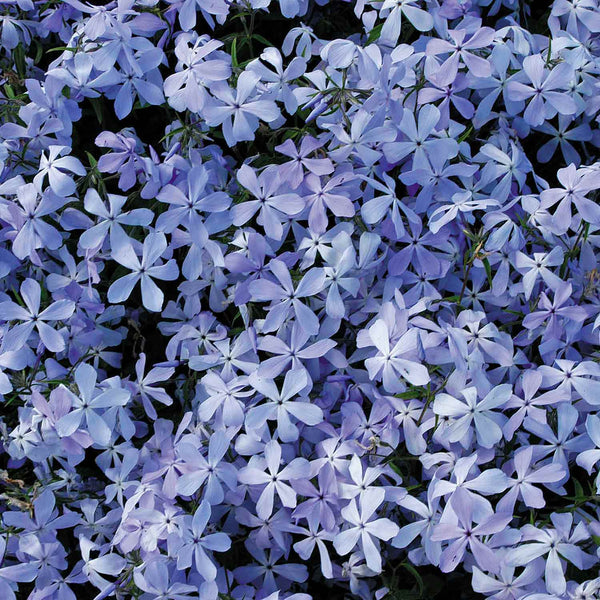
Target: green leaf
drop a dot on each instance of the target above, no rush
(291, 134)
(262, 40)
(396, 468)
(39, 52)
(579, 493)
(405, 595)
(375, 33)
(416, 575)
(234, 60)
(97, 106)
(465, 134)
(18, 56)
(93, 162)
(62, 49)
(488, 270)
(433, 586)
(412, 393)
(472, 236)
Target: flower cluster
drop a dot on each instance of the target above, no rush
(299, 299)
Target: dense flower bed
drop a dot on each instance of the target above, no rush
(299, 299)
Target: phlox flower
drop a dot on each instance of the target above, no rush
(239, 112)
(32, 318)
(267, 473)
(363, 530)
(144, 271)
(470, 411)
(393, 362)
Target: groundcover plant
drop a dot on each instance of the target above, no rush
(299, 299)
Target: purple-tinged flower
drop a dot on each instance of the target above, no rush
(190, 8)
(588, 458)
(122, 160)
(286, 297)
(527, 475)
(363, 139)
(322, 501)
(556, 544)
(463, 534)
(553, 312)
(224, 398)
(111, 220)
(291, 8)
(360, 480)
(341, 279)
(315, 536)
(237, 355)
(290, 354)
(210, 472)
(239, 114)
(420, 143)
(490, 88)
(538, 266)
(56, 166)
(195, 544)
(269, 202)
(462, 203)
(418, 250)
(393, 362)
(266, 566)
(87, 403)
(569, 375)
(279, 83)
(144, 387)
(45, 519)
(541, 90)
(417, 17)
(365, 531)
(562, 443)
(324, 195)
(568, 130)
(32, 318)
(506, 585)
(506, 167)
(267, 473)
(281, 405)
(144, 271)
(577, 184)
(451, 96)
(374, 210)
(185, 206)
(48, 100)
(460, 49)
(27, 219)
(487, 422)
(118, 475)
(488, 482)
(302, 37)
(155, 580)
(77, 75)
(530, 405)
(422, 527)
(106, 564)
(409, 417)
(579, 13)
(272, 532)
(146, 86)
(293, 171)
(200, 65)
